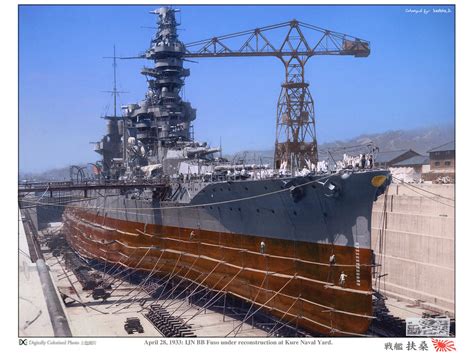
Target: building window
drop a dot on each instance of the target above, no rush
(437, 163)
(447, 163)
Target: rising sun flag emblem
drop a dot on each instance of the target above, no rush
(443, 345)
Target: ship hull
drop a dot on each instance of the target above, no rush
(292, 279)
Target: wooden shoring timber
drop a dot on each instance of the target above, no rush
(100, 227)
(250, 308)
(170, 276)
(273, 330)
(133, 271)
(208, 290)
(262, 305)
(95, 245)
(311, 270)
(86, 223)
(253, 272)
(309, 309)
(314, 275)
(190, 284)
(200, 284)
(147, 234)
(140, 285)
(182, 278)
(202, 289)
(108, 275)
(107, 229)
(276, 260)
(218, 292)
(308, 323)
(97, 233)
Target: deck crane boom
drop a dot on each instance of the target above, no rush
(295, 139)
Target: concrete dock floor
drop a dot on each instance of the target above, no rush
(33, 313)
(107, 318)
(403, 309)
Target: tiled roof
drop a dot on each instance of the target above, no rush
(416, 160)
(386, 157)
(442, 148)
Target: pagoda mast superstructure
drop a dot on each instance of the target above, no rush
(163, 119)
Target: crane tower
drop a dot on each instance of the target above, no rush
(295, 140)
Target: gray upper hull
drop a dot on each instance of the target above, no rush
(315, 210)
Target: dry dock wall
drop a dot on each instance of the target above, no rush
(414, 242)
(48, 209)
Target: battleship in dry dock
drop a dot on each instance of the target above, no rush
(296, 247)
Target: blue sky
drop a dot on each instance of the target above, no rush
(406, 82)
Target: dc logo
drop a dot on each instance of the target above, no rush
(22, 341)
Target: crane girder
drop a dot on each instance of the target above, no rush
(256, 43)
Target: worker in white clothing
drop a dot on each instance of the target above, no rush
(342, 279)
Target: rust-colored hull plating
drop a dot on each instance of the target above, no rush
(292, 280)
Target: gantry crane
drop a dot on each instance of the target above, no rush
(295, 141)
